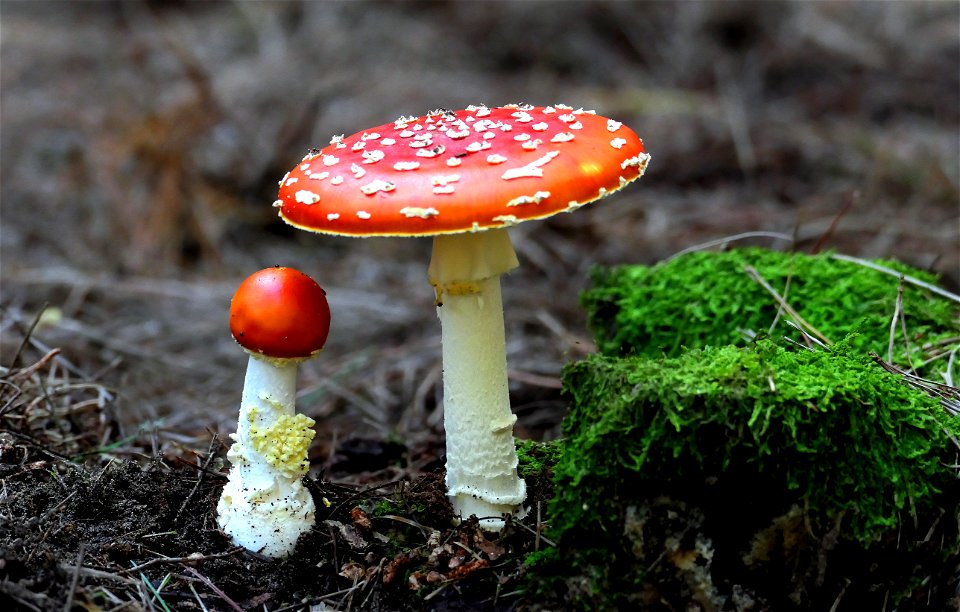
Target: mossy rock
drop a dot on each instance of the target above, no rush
(708, 299)
(785, 477)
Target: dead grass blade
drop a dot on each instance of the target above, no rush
(726, 240)
(226, 599)
(849, 201)
(948, 395)
(800, 321)
(910, 279)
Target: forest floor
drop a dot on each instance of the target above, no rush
(141, 146)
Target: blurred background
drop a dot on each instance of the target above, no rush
(142, 143)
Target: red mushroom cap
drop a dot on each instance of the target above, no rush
(468, 170)
(280, 312)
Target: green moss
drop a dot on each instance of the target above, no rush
(536, 459)
(707, 299)
(387, 506)
(746, 434)
(402, 507)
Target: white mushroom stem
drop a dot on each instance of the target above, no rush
(264, 507)
(481, 456)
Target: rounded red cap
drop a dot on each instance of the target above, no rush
(280, 312)
(458, 171)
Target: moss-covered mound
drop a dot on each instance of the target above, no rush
(709, 299)
(786, 477)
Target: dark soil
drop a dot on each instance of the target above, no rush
(144, 534)
(141, 145)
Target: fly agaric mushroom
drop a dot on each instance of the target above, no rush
(281, 317)
(463, 177)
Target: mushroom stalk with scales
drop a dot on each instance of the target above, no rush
(481, 476)
(281, 317)
(463, 177)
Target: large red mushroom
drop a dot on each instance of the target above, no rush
(463, 177)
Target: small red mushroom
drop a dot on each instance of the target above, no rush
(280, 312)
(463, 177)
(281, 317)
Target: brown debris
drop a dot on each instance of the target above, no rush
(361, 520)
